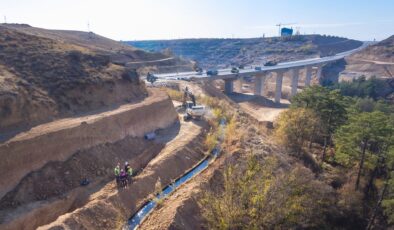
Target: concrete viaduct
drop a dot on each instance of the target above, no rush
(260, 78)
(235, 79)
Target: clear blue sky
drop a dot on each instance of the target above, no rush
(169, 19)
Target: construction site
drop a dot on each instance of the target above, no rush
(196, 131)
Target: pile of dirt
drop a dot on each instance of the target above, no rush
(225, 52)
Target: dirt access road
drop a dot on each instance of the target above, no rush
(261, 108)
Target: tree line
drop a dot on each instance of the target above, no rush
(359, 133)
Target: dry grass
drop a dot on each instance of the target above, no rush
(174, 94)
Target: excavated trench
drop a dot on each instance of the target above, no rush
(148, 207)
(43, 167)
(45, 194)
(110, 208)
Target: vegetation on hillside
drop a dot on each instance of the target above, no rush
(257, 195)
(352, 140)
(361, 87)
(359, 131)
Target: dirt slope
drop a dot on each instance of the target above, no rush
(57, 140)
(42, 79)
(109, 208)
(376, 60)
(180, 210)
(47, 74)
(56, 156)
(118, 51)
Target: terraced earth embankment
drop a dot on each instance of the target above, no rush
(41, 168)
(109, 208)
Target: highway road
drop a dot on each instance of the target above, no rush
(249, 70)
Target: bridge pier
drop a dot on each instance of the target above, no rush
(278, 87)
(308, 76)
(294, 81)
(228, 86)
(259, 85)
(318, 72)
(239, 84)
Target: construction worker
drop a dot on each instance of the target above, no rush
(117, 173)
(123, 179)
(129, 174)
(126, 166)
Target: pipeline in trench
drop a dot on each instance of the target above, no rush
(148, 207)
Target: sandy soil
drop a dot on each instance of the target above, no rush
(260, 108)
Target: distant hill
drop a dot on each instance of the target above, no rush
(118, 52)
(45, 74)
(376, 60)
(225, 52)
(382, 51)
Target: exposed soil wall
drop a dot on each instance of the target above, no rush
(53, 190)
(110, 208)
(58, 140)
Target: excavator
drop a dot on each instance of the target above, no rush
(188, 95)
(192, 110)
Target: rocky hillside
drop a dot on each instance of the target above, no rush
(376, 60)
(224, 52)
(45, 74)
(381, 52)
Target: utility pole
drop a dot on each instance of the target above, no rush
(5, 19)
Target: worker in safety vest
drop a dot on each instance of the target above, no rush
(129, 173)
(117, 172)
(126, 165)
